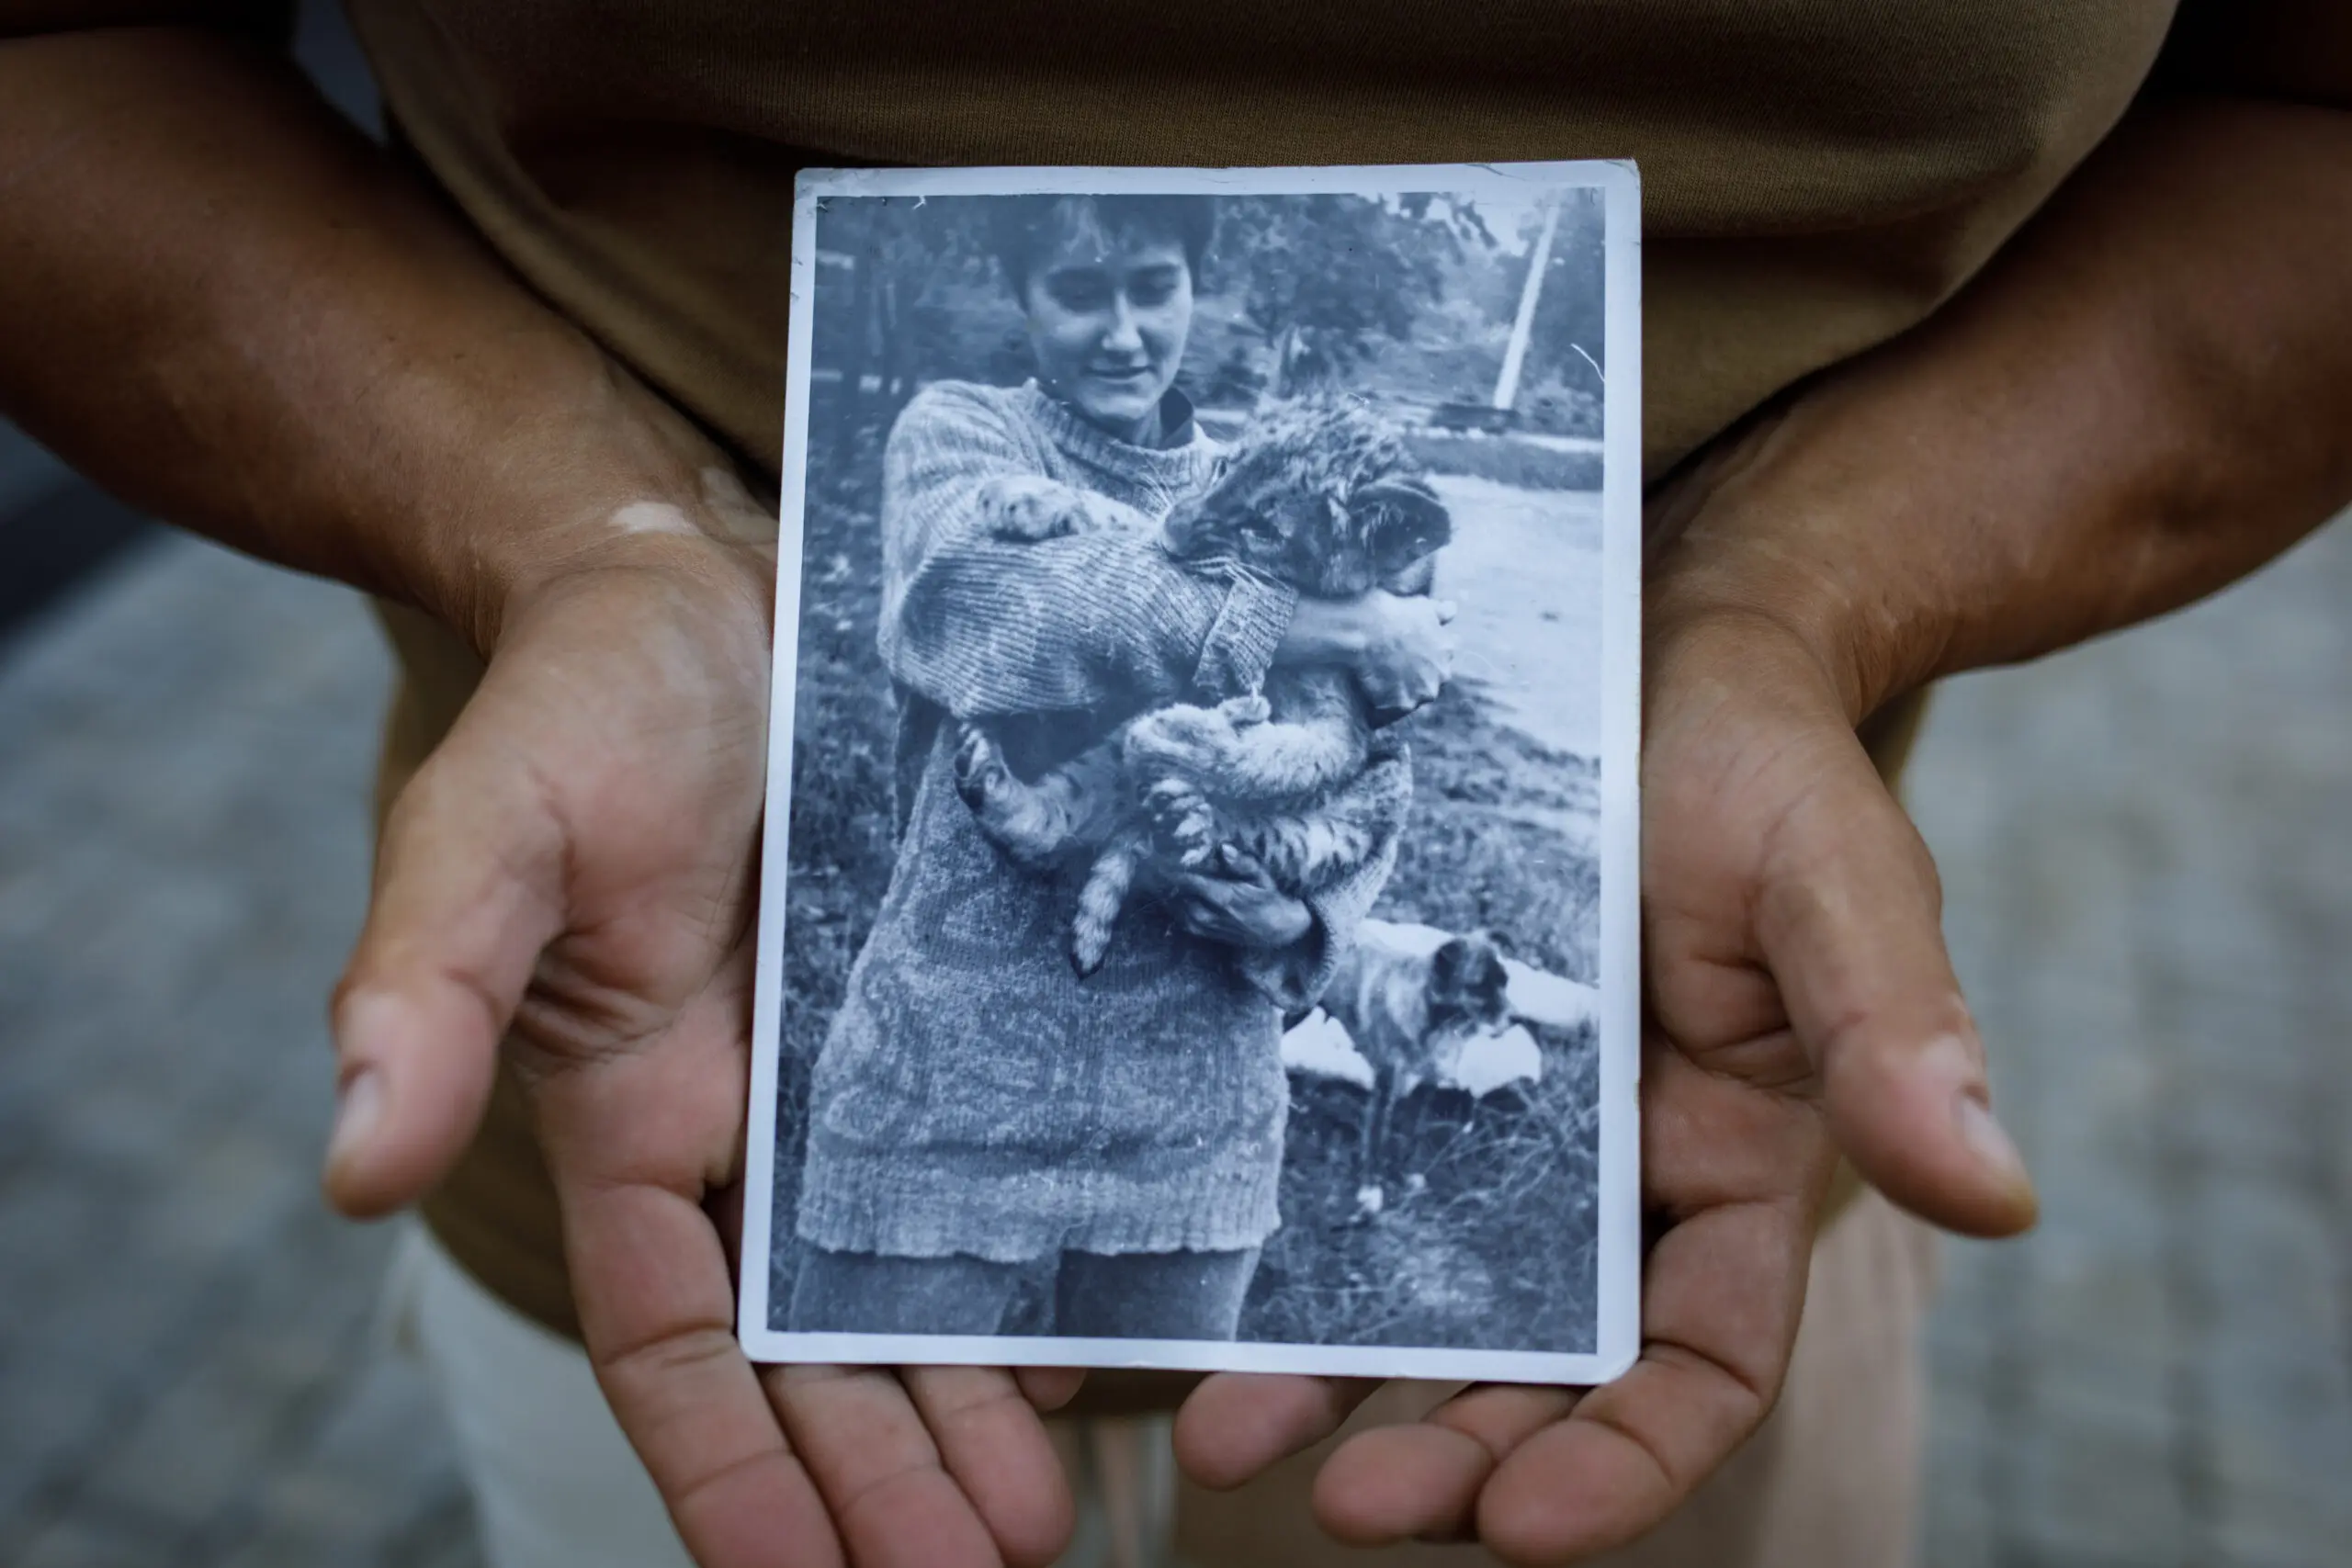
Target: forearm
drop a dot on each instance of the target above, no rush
(229, 309)
(1076, 624)
(2142, 398)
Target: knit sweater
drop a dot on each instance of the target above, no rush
(973, 1094)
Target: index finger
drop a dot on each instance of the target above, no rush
(1235, 1425)
(938, 1467)
(632, 1142)
(658, 1315)
(1188, 900)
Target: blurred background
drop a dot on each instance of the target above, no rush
(2149, 868)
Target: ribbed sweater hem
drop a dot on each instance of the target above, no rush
(858, 1200)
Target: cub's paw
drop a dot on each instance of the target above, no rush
(1196, 838)
(1243, 712)
(1027, 508)
(1185, 820)
(980, 771)
(1170, 798)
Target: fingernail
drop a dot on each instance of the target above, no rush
(1986, 1138)
(354, 1118)
(1957, 1060)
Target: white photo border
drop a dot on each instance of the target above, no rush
(1617, 1335)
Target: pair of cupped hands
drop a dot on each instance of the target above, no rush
(570, 879)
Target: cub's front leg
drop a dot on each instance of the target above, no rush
(1241, 752)
(1182, 758)
(1181, 741)
(1178, 756)
(1186, 820)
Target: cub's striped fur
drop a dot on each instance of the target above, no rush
(1319, 494)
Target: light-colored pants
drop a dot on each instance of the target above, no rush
(1830, 1481)
(555, 1484)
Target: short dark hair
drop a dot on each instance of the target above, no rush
(1023, 228)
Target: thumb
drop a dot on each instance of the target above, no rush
(469, 885)
(1848, 916)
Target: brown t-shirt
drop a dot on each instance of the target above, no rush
(1818, 176)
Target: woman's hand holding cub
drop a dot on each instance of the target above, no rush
(1397, 645)
(1239, 906)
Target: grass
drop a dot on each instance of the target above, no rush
(1492, 1249)
(1487, 1238)
(842, 836)
(1493, 1245)
(1490, 844)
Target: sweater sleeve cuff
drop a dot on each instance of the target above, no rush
(1295, 978)
(1242, 641)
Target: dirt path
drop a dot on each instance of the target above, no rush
(1524, 568)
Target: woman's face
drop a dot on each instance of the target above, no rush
(1108, 317)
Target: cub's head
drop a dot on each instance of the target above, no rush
(1321, 494)
(1469, 988)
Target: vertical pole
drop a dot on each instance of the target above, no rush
(1515, 356)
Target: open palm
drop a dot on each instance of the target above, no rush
(1801, 1004)
(570, 879)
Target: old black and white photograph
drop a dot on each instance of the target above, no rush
(1199, 909)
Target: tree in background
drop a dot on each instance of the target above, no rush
(1566, 357)
(1325, 279)
(899, 254)
(1300, 290)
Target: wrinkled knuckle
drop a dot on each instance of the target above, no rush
(691, 1491)
(980, 1409)
(664, 1354)
(885, 1497)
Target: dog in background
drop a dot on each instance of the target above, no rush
(1410, 1012)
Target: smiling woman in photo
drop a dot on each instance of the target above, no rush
(978, 1111)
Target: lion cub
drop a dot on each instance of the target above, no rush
(1320, 495)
